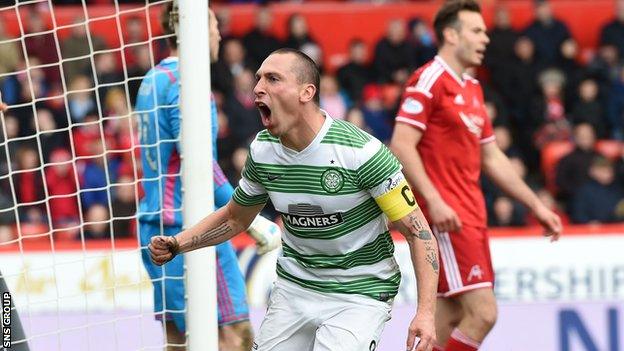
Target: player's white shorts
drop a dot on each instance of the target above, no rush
(300, 319)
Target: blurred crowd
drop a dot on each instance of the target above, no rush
(558, 118)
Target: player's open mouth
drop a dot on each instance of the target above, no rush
(265, 113)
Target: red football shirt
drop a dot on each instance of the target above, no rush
(451, 113)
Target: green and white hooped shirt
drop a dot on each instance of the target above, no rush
(336, 237)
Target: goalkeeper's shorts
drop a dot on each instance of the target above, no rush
(169, 301)
(306, 320)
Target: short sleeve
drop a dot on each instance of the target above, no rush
(250, 191)
(416, 105)
(379, 167)
(487, 135)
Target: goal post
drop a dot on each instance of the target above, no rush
(196, 143)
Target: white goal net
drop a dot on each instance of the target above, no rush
(70, 177)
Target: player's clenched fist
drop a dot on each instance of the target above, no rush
(163, 249)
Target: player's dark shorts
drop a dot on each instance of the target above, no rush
(169, 301)
(465, 261)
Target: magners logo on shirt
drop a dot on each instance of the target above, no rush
(310, 216)
(324, 221)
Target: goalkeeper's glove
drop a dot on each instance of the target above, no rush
(268, 235)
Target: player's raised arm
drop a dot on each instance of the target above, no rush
(399, 204)
(214, 229)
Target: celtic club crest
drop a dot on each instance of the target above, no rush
(332, 181)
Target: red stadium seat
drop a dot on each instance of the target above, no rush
(551, 154)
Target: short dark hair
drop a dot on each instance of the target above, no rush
(168, 19)
(307, 71)
(448, 15)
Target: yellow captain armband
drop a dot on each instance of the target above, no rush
(398, 202)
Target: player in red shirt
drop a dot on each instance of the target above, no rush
(442, 115)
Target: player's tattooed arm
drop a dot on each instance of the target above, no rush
(207, 238)
(420, 229)
(423, 248)
(217, 227)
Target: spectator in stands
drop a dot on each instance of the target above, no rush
(615, 107)
(107, 73)
(393, 54)
(235, 56)
(94, 177)
(10, 58)
(11, 127)
(115, 103)
(76, 45)
(226, 143)
(61, 184)
(573, 169)
(241, 109)
(506, 213)
(422, 41)
(29, 186)
(378, 119)
(49, 137)
(599, 199)
(233, 62)
(548, 109)
(120, 131)
(314, 51)
(612, 33)
(40, 84)
(589, 109)
(505, 142)
(356, 117)
(518, 89)
(42, 44)
(239, 156)
(259, 41)
(499, 56)
(97, 223)
(135, 30)
(136, 72)
(87, 134)
(331, 99)
(547, 33)
(124, 207)
(224, 23)
(80, 98)
(571, 69)
(7, 218)
(356, 73)
(9, 85)
(495, 107)
(298, 33)
(606, 65)
(29, 92)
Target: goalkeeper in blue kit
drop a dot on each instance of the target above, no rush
(157, 108)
